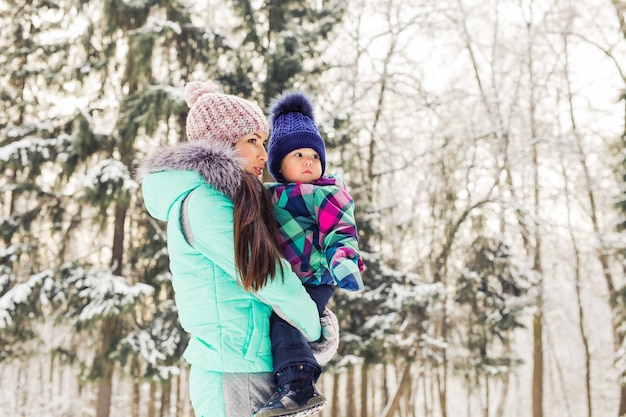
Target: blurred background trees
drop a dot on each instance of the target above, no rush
(483, 143)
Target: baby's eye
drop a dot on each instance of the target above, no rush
(298, 154)
(316, 156)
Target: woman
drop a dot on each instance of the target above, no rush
(227, 272)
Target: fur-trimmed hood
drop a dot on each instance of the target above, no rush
(217, 163)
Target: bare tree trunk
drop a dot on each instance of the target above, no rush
(468, 399)
(49, 392)
(620, 7)
(487, 396)
(410, 404)
(581, 326)
(538, 371)
(620, 12)
(364, 388)
(335, 396)
(619, 341)
(537, 384)
(385, 388)
(105, 368)
(622, 401)
(577, 286)
(506, 378)
(166, 397)
(350, 406)
(108, 335)
(152, 400)
(21, 391)
(403, 386)
(404, 401)
(135, 398)
(551, 352)
(413, 393)
(179, 395)
(442, 375)
(602, 256)
(184, 404)
(427, 395)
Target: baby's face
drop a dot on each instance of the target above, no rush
(301, 165)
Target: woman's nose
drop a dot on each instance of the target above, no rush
(263, 154)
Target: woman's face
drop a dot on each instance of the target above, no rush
(252, 149)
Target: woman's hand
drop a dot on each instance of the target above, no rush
(325, 348)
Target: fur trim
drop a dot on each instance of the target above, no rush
(325, 348)
(217, 163)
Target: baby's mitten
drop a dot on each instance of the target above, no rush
(347, 275)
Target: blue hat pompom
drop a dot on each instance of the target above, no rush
(289, 102)
(293, 127)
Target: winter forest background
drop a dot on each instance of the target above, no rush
(484, 142)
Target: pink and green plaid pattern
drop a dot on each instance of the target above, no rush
(317, 228)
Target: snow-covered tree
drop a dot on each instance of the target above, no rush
(491, 297)
(88, 89)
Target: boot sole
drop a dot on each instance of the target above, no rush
(313, 406)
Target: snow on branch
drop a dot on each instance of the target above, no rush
(413, 294)
(22, 295)
(23, 149)
(109, 171)
(158, 27)
(101, 293)
(143, 342)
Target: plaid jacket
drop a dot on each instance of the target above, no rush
(316, 228)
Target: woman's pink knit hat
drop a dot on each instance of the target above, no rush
(214, 116)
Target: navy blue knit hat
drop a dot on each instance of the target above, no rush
(293, 127)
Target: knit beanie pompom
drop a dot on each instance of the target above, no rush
(295, 101)
(215, 116)
(195, 89)
(293, 127)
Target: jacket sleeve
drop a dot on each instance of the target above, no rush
(336, 222)
(213, 236)
(287, 296)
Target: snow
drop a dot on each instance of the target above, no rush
(143, 342)
(109, 171)
(105, 294)
(21, 149)
(175, 93)
(418, 294)
(159, 26)
(19, 294)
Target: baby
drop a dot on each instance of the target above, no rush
(318, 236)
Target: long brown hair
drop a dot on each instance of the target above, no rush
(257, 251)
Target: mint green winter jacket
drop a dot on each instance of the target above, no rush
(229, 326)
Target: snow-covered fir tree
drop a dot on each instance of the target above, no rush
(88, 89)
